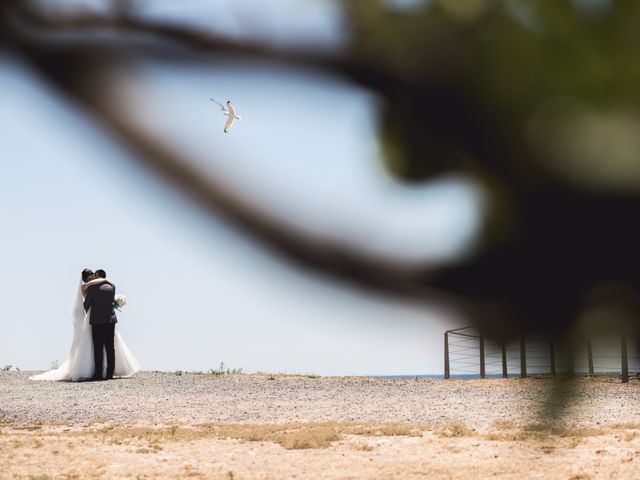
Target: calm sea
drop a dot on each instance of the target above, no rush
(471, 377)
(436, 377)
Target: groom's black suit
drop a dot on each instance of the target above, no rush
(103, 321)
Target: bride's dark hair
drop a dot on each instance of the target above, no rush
(86, 273)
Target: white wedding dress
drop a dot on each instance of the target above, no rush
(80, 364)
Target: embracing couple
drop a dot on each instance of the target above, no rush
(98, 351)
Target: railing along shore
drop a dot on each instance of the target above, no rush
(467, 352)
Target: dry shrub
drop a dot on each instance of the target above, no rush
(625, 426)
(29, 428)
(289, 436)
(309, 435)
(314, 438)
(455, 429)
(527, 432)
(542, 431)
(538, 428)
(514, 436)
(386, 430)
(565, 431)
(504, 424)
(583, 432)
(95, 421)
(501, 437)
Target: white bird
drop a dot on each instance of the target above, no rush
(230, 112)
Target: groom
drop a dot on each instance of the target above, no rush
(103, 320)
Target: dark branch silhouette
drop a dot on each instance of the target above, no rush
(452, 100)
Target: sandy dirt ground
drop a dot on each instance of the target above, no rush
(163, 425)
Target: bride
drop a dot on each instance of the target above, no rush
(80, 364)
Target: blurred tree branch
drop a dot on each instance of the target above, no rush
(65, 63)
(457, 94)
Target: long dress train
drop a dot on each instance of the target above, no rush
(80, 365)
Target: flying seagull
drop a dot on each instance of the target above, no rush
(230, 112)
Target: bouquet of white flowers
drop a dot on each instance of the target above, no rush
(119, 301)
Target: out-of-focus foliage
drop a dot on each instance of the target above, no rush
(537, 100)
(518, 66)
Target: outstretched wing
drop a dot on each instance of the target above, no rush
(221, 106)
(227, 125)
(232, 109)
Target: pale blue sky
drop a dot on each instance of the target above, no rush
(200, 293)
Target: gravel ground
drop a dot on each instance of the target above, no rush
(197, 398)
(162, 426)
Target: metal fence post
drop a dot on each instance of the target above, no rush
(447, 372)
(552, 357)
(590, 357)
(523, 358)
(482, 366)
(625, 359)
(505, 370)
(571, 364)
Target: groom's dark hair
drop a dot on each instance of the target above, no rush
(86, 273)
(101, 273)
